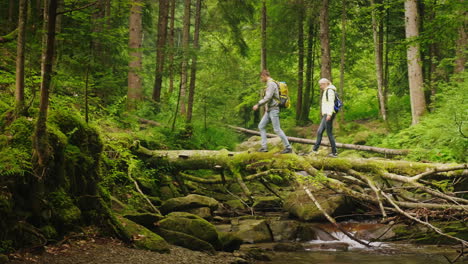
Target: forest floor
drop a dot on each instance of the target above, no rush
(111, 251)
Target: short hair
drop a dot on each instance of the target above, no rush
(324, 80)
(265, 73)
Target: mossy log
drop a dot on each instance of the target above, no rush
(338, 145)
(389, 185)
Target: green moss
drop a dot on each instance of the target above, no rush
(142, 237)
(185, 240)
(49, 231)
(63, 208)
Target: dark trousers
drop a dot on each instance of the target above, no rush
(326, 125)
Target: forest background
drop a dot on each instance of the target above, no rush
(81, 80)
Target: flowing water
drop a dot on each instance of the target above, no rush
(379, 253)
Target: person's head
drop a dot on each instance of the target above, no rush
(264, 75)
(324, 83)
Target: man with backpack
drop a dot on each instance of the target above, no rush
(328, 115)
(271, 100)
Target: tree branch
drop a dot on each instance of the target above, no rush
(76, 9)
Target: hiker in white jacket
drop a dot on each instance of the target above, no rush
(328, 114)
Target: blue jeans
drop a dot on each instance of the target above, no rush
(273, 116)
(328, 125)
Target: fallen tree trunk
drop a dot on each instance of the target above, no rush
(338, 145)
(375, 183)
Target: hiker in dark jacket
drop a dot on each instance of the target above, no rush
(271, 102)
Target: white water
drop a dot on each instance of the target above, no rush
(341, 237)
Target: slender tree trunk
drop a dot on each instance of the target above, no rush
(377, 30)
(134, 92)
(263, 60)
(20, 57)
(418, 101)
(325, 71)
(185, 59)
(462, 43)
(193, 74)
(40, 135)
(300, 70)
(171, 47)
(11, 13)
(309, 70)
(343, 54)
(161, 48)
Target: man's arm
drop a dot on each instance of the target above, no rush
(270, 92)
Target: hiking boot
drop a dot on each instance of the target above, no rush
(286, 151)
(262, 150)
(333, 155)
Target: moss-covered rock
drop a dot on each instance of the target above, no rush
(203, 212)
(188, 202)
(267, 204)
(142, 237)
(235, 204)
(185, 240)
(192, 225)
(63, 209)
(229, 241)
(147, 220)
(252, 230)
(424, 235)
(301, 206)
(284, 230)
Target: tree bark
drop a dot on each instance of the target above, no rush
(343, 55)
(309, 70)
(377, 30)
(418, 101)
(196, 47)
(185, 58)
(325, 71)
(160, 48)
(40, 135)
(338, 145)
(263, 60)
(300, 67)
(171, 46)
(20, 57)
(135, 92)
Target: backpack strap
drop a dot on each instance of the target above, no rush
(326, 93)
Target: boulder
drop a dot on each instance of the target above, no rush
(267, 204)
(284, 230)
(252, 230)
(229, 241)
(254, 143)
(185, 240)
(203, 212)
(145, 219)
(188, 202)
(142, 237)
(299, 205)
(192, 225)
(310, 231)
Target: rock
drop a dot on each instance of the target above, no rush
(188, 202)
(341, 246)
(235, 204)
(229, 241)
(375, 231)
(3, 259)
(203, 212)
(310, 231)
(257, 254)
(142, 237)
(185, 240)
(145, 219)
(192, 225)
(254, 143)
(288, 247)
(240, 261)
(252, 231)
(267, 204)
(284, 230)
(299, 204)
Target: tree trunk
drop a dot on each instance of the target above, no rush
(160, 48)
(171, 46)
(309, 70)
(40, 135)
(377, 30)
(185, 59)
(300, 66)
(196, 47)
(418, 101)
(135, 92)
(343, 55)
(263, 60)
(20, 57)
(462, 42)
(11, 13)
(338, 145)
(325, 71)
